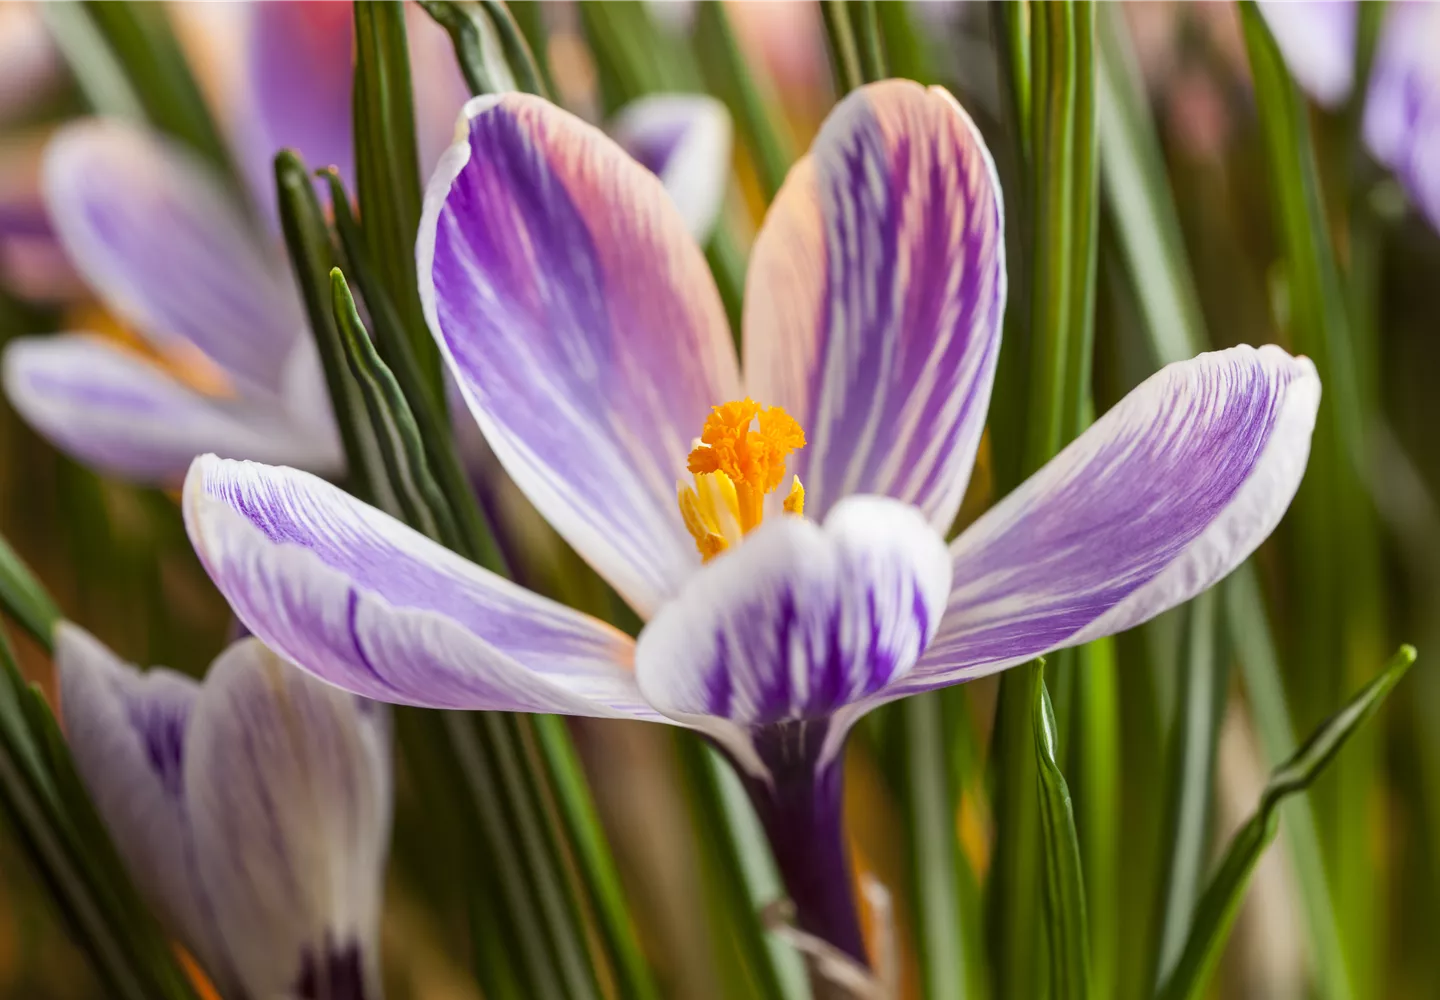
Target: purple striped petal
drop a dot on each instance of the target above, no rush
(154, 231)
(128, 734)
(1402, 107)
(289, 786)
(114, 410)
(1159, 499)
(685, 140)
(362, 601)
(1317, 40)
(875, 296)
(798, 622)
(583, 327)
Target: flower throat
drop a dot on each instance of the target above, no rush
(739, 459)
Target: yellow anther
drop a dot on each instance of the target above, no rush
(702, 527)
(795, 499)
(740, 458)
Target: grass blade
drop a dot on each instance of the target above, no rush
(1193, 741)
(387, 171)
(1066, 928)
(840, 39)
(1218, 907)
(24, 598)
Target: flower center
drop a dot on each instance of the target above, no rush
(739, 459)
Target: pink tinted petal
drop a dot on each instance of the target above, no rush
(1162, 497)
(114, 410)
(583, 327)
(153, 229)
(289, 786)
(362, 601)
(798, 622)
(875, 296)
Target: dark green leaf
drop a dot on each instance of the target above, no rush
(844, 55)
(388, 173)
(516, 48)
(311, 259)
(869, 45)
(1218, 907)
(467, 24)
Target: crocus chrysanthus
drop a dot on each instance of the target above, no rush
(252, 810)
(798, 575)
(1402, 98)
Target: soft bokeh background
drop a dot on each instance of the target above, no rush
(1342, 592)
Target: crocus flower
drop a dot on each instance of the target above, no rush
(253, 811)
(798, 575)
(1402, 101)
(161, 239)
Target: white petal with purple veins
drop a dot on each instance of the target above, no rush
(685, 140)
(288, 781)
(153, 229)
(799, 621)
(127, 733)
(874, 300)
(1161, 498)
(583, 327)
(364, 602)
(114, 410)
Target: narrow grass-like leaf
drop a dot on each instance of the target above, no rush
(1336, 561)
(143, 43)
(597, 865)
(746, 94)
(67, 845)
(731, 850)
(1218, 907)
(476, 540)
(840, 38)
(1144, 219)
(516, 49)
(311, 259)
(906, 48)
(1193, 740)
(97, 70)
(869, 45)
(1096, 738)
(1066, 928)
(470, 28)
(24, 598)
(930, 811)
(419, 498)
(387, 171)
(633, 56)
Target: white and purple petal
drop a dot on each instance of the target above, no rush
(289, 786)
(1162, 497)
(153, 229)
(114, 410)
(798, 622)
(128, 735)
(364, 602)
(875, 296)
(583, 326)
(1317, 40)
(685, 140)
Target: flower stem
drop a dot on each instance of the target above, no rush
(801, 809)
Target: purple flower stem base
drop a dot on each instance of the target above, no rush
(801, 810)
